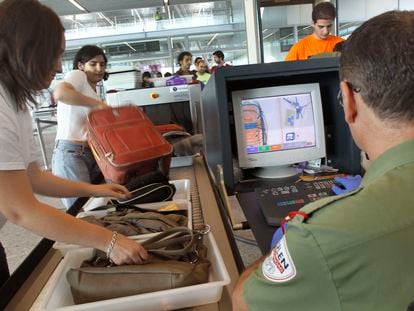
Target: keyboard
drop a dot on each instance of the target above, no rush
(277, 201)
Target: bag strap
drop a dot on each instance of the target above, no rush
(152, 188)
(176, 133)
(174, 236)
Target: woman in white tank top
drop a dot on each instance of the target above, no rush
(77, 96)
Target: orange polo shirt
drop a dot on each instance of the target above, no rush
(310, 45)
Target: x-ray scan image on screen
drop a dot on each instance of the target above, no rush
(277, 127)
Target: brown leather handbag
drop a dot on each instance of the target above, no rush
(178, 259)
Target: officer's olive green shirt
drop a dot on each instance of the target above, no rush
(354, 253)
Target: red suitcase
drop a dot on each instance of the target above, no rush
(126, 143)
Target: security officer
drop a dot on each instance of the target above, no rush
(355, 251)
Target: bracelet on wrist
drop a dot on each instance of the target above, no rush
(111, 245)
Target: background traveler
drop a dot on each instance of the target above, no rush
(202, 74)
(77, 95)
(218, 57)
(146, 82)
(184, 60)
(321, 41)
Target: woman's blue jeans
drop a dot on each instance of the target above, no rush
(75, 162)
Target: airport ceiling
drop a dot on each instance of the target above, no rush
(65, 7)
(86, 13)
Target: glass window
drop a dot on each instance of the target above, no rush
(352, 13)
(232, 44)
(282, 26)
(123, 34)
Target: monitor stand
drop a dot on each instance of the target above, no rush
(275, 172)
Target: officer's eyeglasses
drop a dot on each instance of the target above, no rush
(339, 96)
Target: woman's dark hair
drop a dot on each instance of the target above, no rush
(31, 37)
(339, 46)
(86, 53)
(182, 55)
(197, 59)
(146, 74)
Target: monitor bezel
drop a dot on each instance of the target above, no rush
(281, 157)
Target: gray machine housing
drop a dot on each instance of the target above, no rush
(166, 104)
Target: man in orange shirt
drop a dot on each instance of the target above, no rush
(320, 41)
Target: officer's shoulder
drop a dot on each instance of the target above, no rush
(336, 200)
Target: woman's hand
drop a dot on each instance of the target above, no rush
(127, 251)
(101, 105)
(110, 190)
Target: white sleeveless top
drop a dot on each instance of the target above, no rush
(72, 119)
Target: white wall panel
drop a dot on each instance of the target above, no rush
(306, 13)
(376, 7)
(299, 14)
(406, 5)
(357, 10)
(274, 17)
(351, 10)
(293, 15)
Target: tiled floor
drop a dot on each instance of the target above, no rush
(18, 242)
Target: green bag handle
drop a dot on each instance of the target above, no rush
(171, 237)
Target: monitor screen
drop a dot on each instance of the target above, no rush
(278, 126)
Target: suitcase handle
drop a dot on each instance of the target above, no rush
(108, 155)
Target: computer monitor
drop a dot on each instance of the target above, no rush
(277, 127)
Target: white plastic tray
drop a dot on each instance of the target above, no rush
(182, 205)
(181, 198)
(58, 297)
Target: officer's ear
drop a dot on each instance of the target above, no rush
(349, 101)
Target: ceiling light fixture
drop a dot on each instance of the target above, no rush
(101, 15)
(129, 45)
(211, 40)
(73, 20)
(78, 6)
(139, 16)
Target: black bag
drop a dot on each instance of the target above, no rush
(156, 192)
(149, 188)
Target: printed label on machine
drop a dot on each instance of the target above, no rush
(178, 88)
